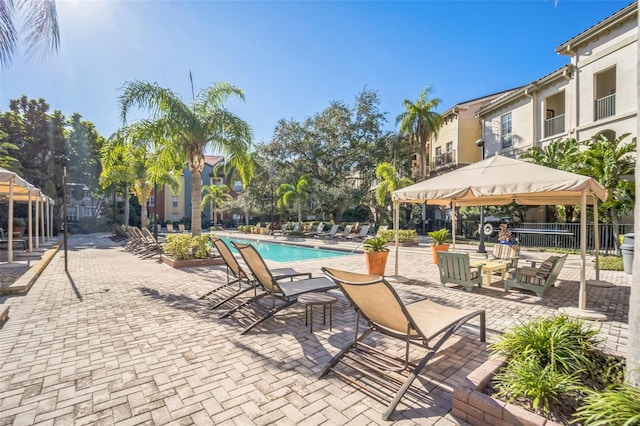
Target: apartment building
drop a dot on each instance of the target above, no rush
(455, 144)
(595, 94)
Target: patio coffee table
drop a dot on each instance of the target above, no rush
(309, 300)
(490, 267)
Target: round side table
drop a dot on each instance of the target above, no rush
(309, 300)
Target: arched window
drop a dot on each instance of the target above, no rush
(607, 134)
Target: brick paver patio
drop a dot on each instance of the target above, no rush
(122, 340)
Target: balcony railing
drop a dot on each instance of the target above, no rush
(554, 126)
(444, 159)
(605, 107)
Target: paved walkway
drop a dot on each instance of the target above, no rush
(124, 340)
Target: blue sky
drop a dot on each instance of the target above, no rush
(293, 58)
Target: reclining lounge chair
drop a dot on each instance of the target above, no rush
(285, 291)
(375, 300)
(236, 275)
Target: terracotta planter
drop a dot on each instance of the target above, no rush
(376, 262)
(436, 249)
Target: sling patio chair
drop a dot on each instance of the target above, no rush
(362, 235)
(329, 234)
(236, 275)
(345, 232)
(372, 370)
(169, 228)
(286, 292)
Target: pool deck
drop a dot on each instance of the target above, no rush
(124, 340)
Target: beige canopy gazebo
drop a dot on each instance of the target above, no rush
(13, 188)
(501, 180)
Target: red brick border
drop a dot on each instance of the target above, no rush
(476, 408)
(191, 262)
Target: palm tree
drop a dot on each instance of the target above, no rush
(216, 195)
(288, 193)
(40, 21)
(127, 159)
(561, 154)
(612, 163)
(419, 121)
(190, 129)
(388, 181)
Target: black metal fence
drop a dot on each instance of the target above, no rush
(560, 235)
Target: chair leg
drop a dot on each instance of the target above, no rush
(271, 313)
(336, 359)
(204, 296)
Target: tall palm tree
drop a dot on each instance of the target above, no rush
(288, 193)
(39, 19)
(205, 123)
(388, 181)
(420, 122)
(216, 195)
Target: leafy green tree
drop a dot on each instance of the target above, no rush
(612, 163)
(341, 143)
(39, 23)
(216, 195)
(83, 148)
(288, 193)
(190, 129)
(6, 160)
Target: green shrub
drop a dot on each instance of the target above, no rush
(177, 246)
(618, 406)
(404, 235)
(541, 385)
(611, 263)
(184, 246)
(562, 342)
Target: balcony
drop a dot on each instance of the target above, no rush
(554, 126)
(444, 159)
(605, 107)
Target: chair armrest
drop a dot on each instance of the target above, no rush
(527, 270)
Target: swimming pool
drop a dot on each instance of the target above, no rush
(285, 252)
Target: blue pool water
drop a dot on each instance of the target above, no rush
(285, 252)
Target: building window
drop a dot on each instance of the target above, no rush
(505, 131)
(152, 201)
(438, 151)
(449, 146)
(174, 217)
(174, 201)
(237, 186)
(72, 214)
(87, 212)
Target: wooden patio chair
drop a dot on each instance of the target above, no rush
(538, 279)
(424, 322)
(169, 228)
(455, 268)
(506, 253)
(286, 292)
(236, 275)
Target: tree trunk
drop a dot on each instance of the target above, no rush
(300, 214)
(215, 213)
(126, 204)
(196, 201)
(616, 231)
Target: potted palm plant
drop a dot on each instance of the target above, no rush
(19, 225)
(376, 254)
(438, 242)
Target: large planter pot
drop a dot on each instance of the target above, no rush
(436, 249)
(210, 261)
(376, 262)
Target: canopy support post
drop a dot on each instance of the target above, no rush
(596, 242)
(396, 225)
(581, 311)
(453, 224)
(10, 223)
